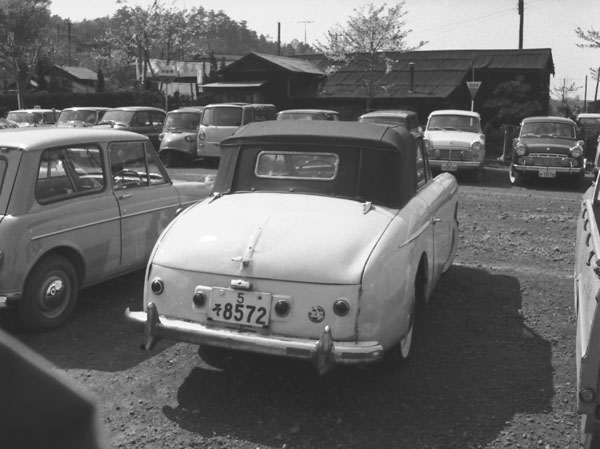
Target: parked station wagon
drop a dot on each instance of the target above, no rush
(144, 120)
(455, 142)
(78, 206)
(81, 116)
(393, 117)
(547, 147)
(321, 242)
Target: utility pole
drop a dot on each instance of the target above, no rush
(597, 80)
(521, 14)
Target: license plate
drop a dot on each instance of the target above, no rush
(449, 166)
(547, 172)
(240, 307)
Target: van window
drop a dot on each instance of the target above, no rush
(222, 116)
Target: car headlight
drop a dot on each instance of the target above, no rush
(160, 137)
(476, 146)
(576, 151)
(201, 135)
(521, 149)
(428, 145)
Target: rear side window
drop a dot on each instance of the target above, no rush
(68, 172)
(228, 116)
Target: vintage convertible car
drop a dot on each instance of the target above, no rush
(78, 206)
(320, 242)
(587, 292)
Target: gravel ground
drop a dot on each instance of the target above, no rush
(493, 365)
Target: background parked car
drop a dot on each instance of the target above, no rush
(588, 124)
(547, 147)
(77, 207)
(455, 142)
(7, 124)
(394, 117)
(221, 120)
(179, 137)
(34, 117)
(144, 120)
(81, 116)
(323, 250)
(308, 114)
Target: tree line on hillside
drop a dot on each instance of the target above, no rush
(32, 40)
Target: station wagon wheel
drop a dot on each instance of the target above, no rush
(50, 294)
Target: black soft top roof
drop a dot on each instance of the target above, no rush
(380, 160)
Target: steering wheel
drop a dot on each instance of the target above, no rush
(322, 165)
(119, 177)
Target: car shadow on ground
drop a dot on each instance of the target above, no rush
(474, 366)
(97, 335)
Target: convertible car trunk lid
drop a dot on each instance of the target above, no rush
(290, 237)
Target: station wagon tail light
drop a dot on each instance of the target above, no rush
(521, 149)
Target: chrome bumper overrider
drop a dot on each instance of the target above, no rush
(324, 353)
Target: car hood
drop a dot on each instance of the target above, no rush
(451, 138)
(544, 144)
(292, 237)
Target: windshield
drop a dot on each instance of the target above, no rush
(117, 117)
(454, 123)
(222, 116)
(383, 120)
(549, 129)
(182, 121)
(80, 115)
(591, 121)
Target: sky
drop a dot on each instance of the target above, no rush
(444, 24)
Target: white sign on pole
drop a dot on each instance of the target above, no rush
(473, 87)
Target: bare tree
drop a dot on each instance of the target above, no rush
(23, 38)
(366, 41)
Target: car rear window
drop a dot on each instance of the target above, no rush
(297, 165)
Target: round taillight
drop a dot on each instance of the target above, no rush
(282, 307)
(157, 286)
(341, 307)
(199, 299)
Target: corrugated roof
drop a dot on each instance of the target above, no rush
(297, 65)
(437, 73)
(82, 73)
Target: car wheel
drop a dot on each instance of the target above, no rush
(399, 353)
(516, 178)
(50, 294)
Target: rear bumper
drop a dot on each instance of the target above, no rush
(324, 352)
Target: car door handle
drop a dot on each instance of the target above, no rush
(436, 220)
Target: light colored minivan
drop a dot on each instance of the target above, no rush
(221, 120)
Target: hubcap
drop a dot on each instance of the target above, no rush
(54, 297)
